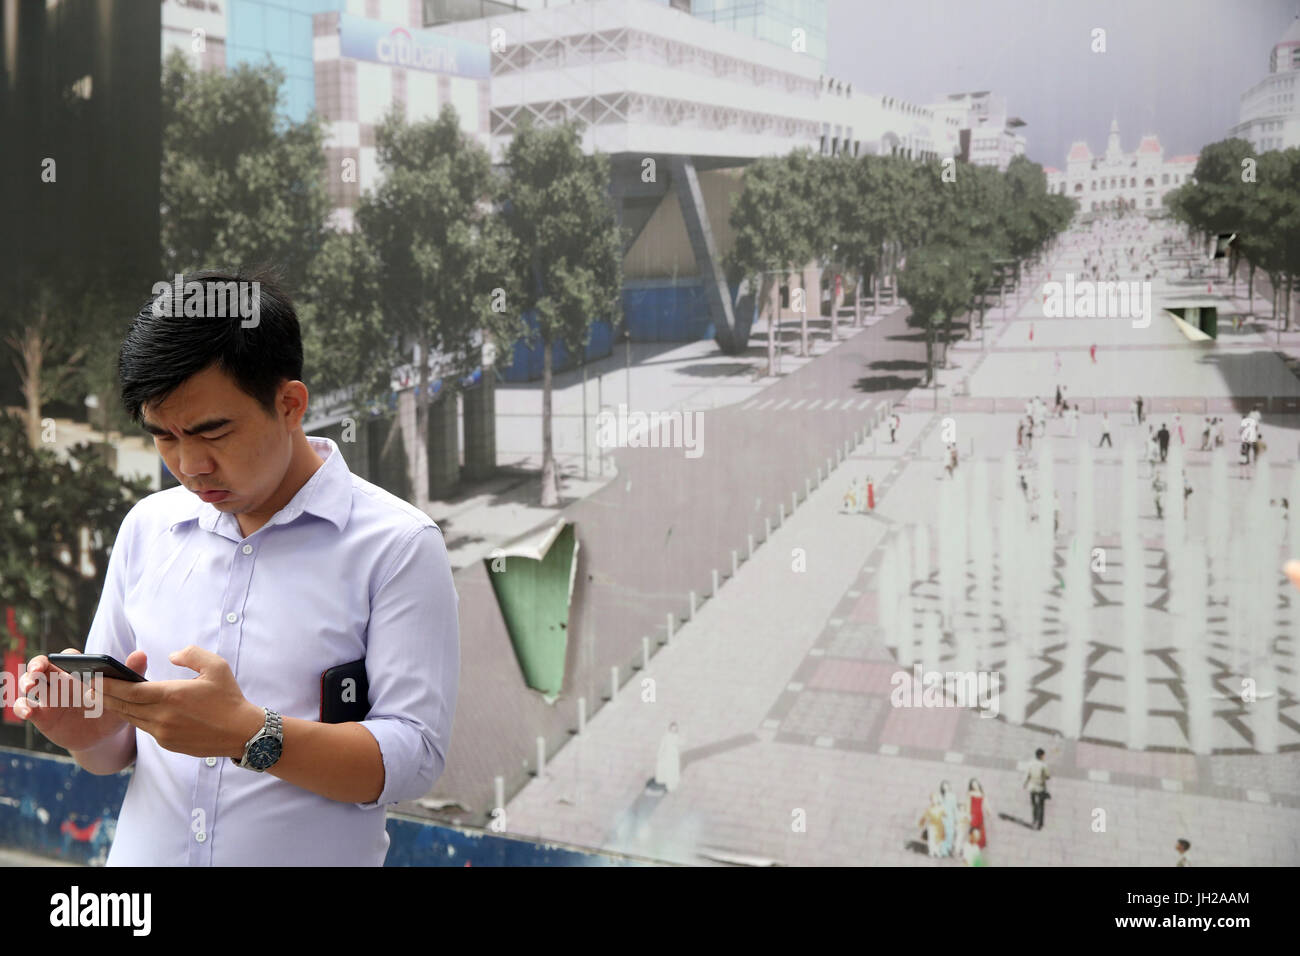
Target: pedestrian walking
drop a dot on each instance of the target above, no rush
(1139, 404)
(893, 427)
(948, 801)
(1205, 436)
(1020, 434)
(978, 812)
(1162, 437)
(851, 497)
(1093, 353)
(1178, 427)
(1187, 492)
(1218, 433)
(1182, 846)
(1158, 492)
(1036, 779)
(931, 824)
(1105, 430)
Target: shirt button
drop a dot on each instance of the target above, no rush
(248, 549)
(232, 617)
(210, 761)
(200, 836)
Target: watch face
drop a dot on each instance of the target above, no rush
(264, 753)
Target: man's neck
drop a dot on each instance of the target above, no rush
(302, 465)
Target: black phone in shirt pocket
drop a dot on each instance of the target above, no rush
(344, 693)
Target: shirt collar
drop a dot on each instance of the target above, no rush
(326, 494)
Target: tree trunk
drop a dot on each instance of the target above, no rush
(857, 303)
(550, 484)
(929, 351)
(419, 455)
(803, 317)
(1251, 287)
(835, 305)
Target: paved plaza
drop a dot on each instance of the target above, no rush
(792, 751)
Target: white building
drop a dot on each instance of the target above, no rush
(364, 67)
(1269, 115)
(985, 135)
(198, 29)
(1138, 180)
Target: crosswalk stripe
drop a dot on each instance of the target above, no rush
(814, 404)
(782, 403)
(749, 404)
(831, 404)
(797, 404)
(765, 404)
(863, 404)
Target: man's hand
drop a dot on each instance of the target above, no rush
(204, 716)
(56, 703)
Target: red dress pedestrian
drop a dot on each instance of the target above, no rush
(977, 818)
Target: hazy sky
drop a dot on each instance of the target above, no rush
(1176, 68)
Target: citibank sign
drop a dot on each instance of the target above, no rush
(362, 39)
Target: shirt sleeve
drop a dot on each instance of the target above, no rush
(110, 631)
(413, 667)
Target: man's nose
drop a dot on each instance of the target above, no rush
(194, 461)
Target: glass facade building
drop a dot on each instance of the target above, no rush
(282, 30)
(771, 20)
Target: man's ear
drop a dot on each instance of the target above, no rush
(292, 403)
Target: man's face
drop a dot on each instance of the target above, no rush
(219, 442)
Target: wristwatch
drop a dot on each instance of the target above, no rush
(264, 747)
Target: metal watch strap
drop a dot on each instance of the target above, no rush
(272, 726)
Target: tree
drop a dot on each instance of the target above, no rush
(241, 187)
(58, 520)
(567, 258)
(936, 283)
(413, 286)
(763, 225)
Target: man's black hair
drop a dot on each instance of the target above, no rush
(164, 347)
(1185, 844)
(1039, 753)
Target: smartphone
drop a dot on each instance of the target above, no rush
(94, 664)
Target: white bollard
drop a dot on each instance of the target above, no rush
(541, 756)
(670, 629)
(613, 683)
(645, 653)
(692, 617)
(499, 788)
(715, 582)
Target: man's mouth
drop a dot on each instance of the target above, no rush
(213, 495)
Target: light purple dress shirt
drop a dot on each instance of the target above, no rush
(345, 570)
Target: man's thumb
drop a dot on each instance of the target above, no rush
(137, 661)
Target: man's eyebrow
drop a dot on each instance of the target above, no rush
(211, 424)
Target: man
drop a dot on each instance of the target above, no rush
(894, 423)
(232, 593)
(1162, 439)
(1036, 779)
(1182, 846)
(1158, 492)
(1139, 404)
(1105, 430)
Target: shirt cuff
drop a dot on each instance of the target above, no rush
(402, 750)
